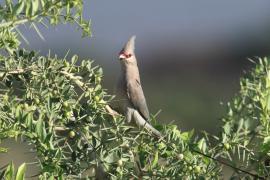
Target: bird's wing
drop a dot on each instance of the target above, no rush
(136, 96)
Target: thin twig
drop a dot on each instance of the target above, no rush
(229, 165)
(18, 21)
(59, 128)
(111, 111)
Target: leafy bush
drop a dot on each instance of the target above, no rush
(246, 126)
(60, 106)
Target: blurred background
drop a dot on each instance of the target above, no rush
(191, 54)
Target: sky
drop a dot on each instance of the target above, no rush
(190, 24)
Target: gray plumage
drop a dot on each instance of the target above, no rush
(131, 100)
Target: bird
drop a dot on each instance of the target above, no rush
(132, 103)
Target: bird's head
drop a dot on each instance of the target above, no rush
(127, 53)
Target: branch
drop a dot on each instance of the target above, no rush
(3, 73)
(83, 86)
(61, 129)
(16, 22)
(19, 71)
(111, 111)
(229, 165)
(76, 79)
(26, 19)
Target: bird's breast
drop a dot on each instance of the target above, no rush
(121, 95)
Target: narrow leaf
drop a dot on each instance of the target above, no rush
(155, 161)
(21, 172)
(18, 8)
(38, 32)
(9, 172)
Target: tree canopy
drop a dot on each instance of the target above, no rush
(60, 107)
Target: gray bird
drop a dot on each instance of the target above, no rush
(132, 102)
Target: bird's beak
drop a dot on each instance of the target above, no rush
(122, 56)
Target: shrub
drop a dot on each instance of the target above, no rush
(60, 107)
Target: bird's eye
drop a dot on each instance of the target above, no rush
(124, 55)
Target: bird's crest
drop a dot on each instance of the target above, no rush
(128, 49)
(130, 45)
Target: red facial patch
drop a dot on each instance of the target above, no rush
(125, 54)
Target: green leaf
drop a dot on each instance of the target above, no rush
(3, 150)
(186, 136)
(268, 102)
(39, 128)
(266, 144)
(27, 8)
(9, 173)
(240, 125)
(202, 145)
(34, 7)
(18, 8)
(112, 158)
(74, 59)
(227, 128)
(155, 161)
(21, 172)
(38, 31)
(22, 36)
(29, 120)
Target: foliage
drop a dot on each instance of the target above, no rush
(33, 12)
(59, 106)
(246, 125)
(10, 173)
